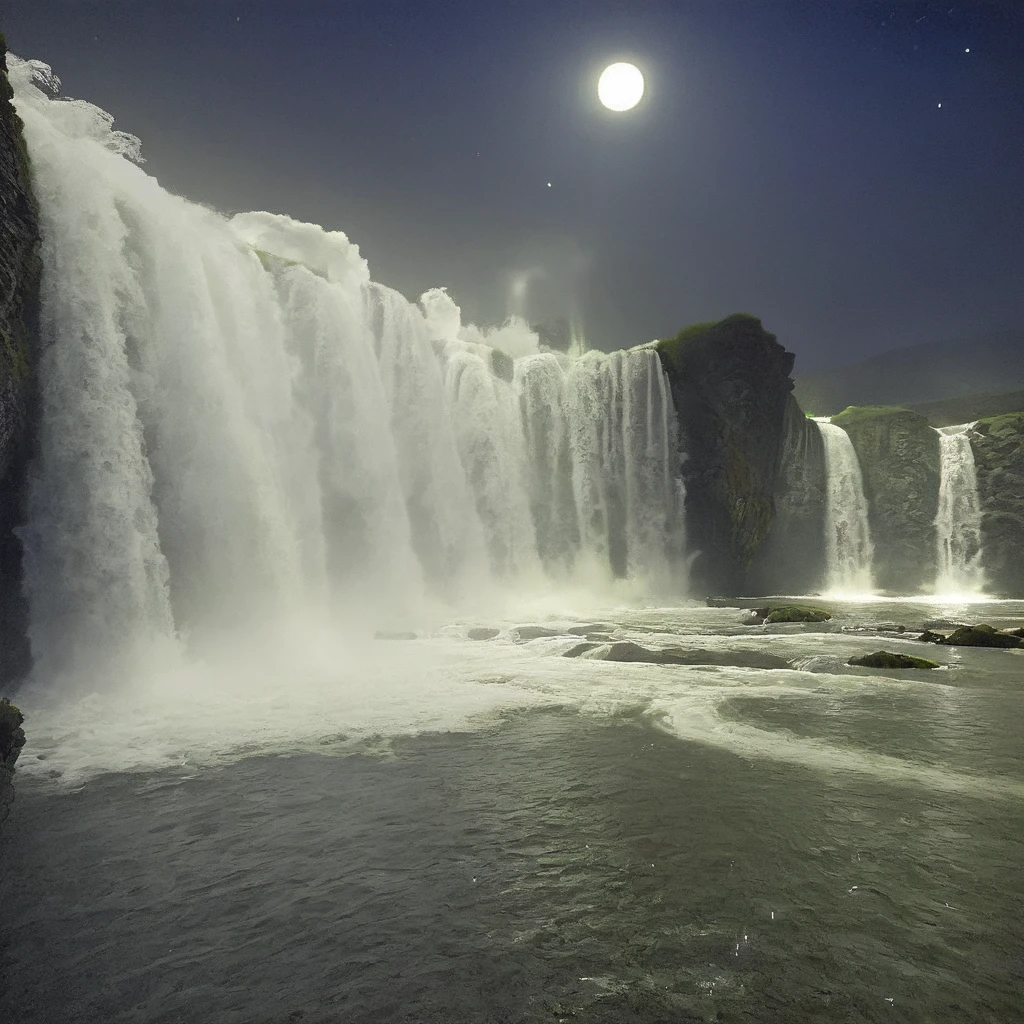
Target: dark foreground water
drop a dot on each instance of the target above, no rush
(552, 865)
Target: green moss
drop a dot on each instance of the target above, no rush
(982, 635)
(670, 347)
(793, 613)
(854, 415)
(886, 659)
(1013, 421)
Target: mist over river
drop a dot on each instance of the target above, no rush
(461, 830)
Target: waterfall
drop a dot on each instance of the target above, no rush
(958, 521)
(848, 548)
(238, 425)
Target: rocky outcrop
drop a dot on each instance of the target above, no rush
(899, 459)
(730, 384)
(886, 659)
(998, 445)
(792, 559)
(982, 635)
(19, 296)
(12, 739)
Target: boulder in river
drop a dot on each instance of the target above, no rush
(982, 635)
(928, 637)
(483, 633)
(886, 659)
(792, 613)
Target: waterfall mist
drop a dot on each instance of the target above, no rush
(240, 429)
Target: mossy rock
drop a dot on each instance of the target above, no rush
(982, 635)
(928, 637)
(793, 613)
(1016, 632)
(886, 659)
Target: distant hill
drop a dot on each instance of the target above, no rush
(947, 411)
(976, 365)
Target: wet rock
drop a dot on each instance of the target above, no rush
(793, 613)
(982, 635)
(928, 637)
(482, 633)
(536, 632)
(386, 634)
(626, 651)
(1017, 632)
(886, 659)
(12, 739)
(590, 627)
(575, 652)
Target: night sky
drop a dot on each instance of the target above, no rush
(790, 159)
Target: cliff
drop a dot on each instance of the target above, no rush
(998, 444)
(730, 383)
(19, 293)
(899, 459)
(12, 739)
(792, 558)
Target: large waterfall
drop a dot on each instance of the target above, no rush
(848, 547)
(238, 425)
(958, 521)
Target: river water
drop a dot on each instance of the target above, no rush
(489, 831)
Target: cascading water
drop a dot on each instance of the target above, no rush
(958, 520)
(848, 547)
(237, 425)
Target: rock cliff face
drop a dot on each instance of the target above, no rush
(792, 559)
(999, 457)
(12, 739)
(899, 458)
(19, 293)
(730, 384)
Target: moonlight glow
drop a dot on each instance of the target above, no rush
(620, 86)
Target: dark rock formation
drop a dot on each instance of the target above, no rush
(899, 458)
(19, 299)
(12, 739)
(792, 559)
(998, 445)
(982, 635)
(535, 632)
(886, 659)
(928, 637)
(626, 651)
(730, 383)
(790, 613)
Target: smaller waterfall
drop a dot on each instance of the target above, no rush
(848, 547)
(958, 521)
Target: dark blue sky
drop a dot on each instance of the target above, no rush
(790, 158)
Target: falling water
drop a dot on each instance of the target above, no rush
(848, 547)
(958, 521)
(238, 425)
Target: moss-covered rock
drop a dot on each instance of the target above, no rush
(886, 659)
(12, 739)
(928, 637)
(899, 459)
(730, 384)
(792, 613)
(982, 635)
(19, 300)
(998, 444)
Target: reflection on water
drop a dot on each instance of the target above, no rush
(594, 842)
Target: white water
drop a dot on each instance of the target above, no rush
(232, 440)
(848, 547)
(958, 520)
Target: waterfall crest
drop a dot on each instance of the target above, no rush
(958, 520)
(238, 425)
(848, 548)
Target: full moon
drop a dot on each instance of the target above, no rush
(620, 86)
